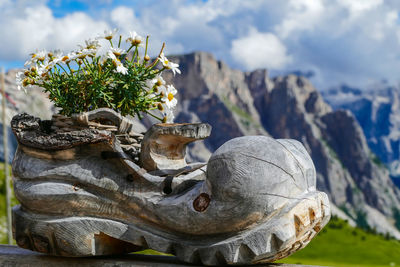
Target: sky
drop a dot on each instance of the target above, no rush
(353, 42)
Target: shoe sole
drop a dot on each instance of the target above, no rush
(295, 225)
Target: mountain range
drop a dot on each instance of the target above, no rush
(240, 103)
(378, 112)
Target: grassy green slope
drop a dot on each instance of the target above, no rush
(339, 244)
(3, 226)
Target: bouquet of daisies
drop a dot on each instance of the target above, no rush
(96, 76)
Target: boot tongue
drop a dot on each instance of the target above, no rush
(164, 145)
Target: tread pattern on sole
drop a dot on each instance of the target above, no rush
(274, 239)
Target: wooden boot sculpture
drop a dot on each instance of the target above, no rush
(83, 192)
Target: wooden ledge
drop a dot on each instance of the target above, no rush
(14, 256)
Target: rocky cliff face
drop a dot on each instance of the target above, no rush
(237, 103)
(378, 112)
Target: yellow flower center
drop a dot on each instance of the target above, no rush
(65, 58)
(170, 96)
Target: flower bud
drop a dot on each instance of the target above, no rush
(25, 82)
(146, 58)
(160, 107)
(164, 120)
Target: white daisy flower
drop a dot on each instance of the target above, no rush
(41, 55)
(121, 69)
(108, 34)
(90, 44)
(117, 51)
(42, 70)
(158, 80)
(169, 96)
(135, 39)
(117, 63)
(111, 55)
(69, 57)
(35, 57)
(19, 78)
(23, 82)
(150, 83)
(57, 56)
(168, 64)
(86, 52)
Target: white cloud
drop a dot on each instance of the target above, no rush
(34, 27)
(349, 41)
(124, 19)
(358, 6)
(301, 15)
(260, 50)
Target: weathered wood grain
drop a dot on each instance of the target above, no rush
(33, 132)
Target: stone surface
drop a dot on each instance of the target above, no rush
(11, 256)
(254, 202)
(378, 112)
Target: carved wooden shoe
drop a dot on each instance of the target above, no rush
(254, 202)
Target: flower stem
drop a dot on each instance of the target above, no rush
(129, 49)
(63, 69)
(154, 116)
(119, 42)
(155, 61)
